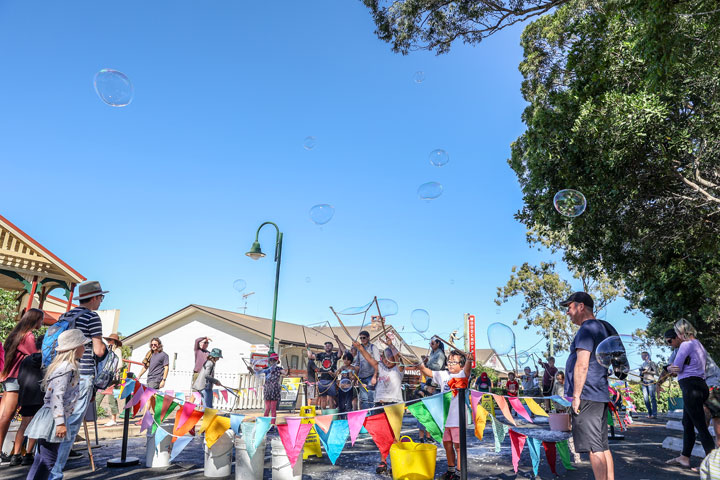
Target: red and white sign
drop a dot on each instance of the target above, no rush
(470, 335)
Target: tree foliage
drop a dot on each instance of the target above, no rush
(624, 106)
(435, 24)
(8, 313)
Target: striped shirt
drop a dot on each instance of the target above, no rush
(90, 325)
(710, 467)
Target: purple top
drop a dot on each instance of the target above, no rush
(691, 358)
(200, 355)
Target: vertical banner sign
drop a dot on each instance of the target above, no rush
(470, 336)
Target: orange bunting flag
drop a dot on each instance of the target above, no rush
(503, 406)
(188, 425)
(324, 421)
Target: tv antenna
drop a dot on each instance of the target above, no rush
(244, 297)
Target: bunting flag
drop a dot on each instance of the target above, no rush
(293, 424)
(564, 452)
(224, 395)
(262, 425)
(127, 389)
(518, 407)
(395, 417)
(235, 421)
(137, 396)
(168, 406)
(517, 442)
(208, 417)
(355, 423)
(116, 392)
(170, 393)
(182, 416)
(160, 435)
(157, 417)
(475, 399)
(534, 448)
(324, 422)
(535, 408)
(293, 443)
(180, 396)
(420, 411)
(198, 397)
(248, 433)
(434, 405)
(189, 424)
(147, 421)
(560, 400)
(480, 419)
(215, 395)
(447, 399)
(179, 445)
(499, 432)
(216, 429)
(381, 432)
(146, 395)
(550, 454)
(503, 406)
(334, 440)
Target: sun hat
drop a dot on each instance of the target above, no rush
(71, 339)
(215, 352)
(115, 337)
(90, 289)
(274, 356)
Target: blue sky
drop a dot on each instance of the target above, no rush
(161, 199)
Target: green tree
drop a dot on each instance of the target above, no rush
(624, 106)
(8, 313)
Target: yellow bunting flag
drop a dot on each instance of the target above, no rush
(480, 419)
(208, 417)
(395, 417)
(218, 427)
(534, 407)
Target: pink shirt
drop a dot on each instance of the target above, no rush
(25, 348)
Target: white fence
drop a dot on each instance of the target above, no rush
(249, 389)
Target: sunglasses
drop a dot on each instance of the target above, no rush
(669, 340)
(154, 345)
(363, 338)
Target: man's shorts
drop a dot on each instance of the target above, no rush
(326, 388)
(713, 402)
(11, 385)
(589, 427)
(451, 434)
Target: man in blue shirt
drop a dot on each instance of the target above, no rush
(586, 381)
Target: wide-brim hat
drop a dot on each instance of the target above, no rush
(215, 352)
(274, 356)
(90, 289)
(71, 339)
(114, 337)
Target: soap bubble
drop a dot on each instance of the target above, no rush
(357, 310)
(239, 285)
(523, 358)
(611, 353)
(439, 157)
(322, 214)
(113, 87)
(419, 76)
(452, 281)
(570, 203)
(308, 279)
(420, 320)
(430, 190)
(309, 143)
(387, 306)
(501, 338)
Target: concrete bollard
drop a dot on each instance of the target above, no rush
(247, 468)
(218, 458)
(281, 468)
(157, 456)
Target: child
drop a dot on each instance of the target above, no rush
(49, 425)
(205, 381)
(346, 384)
(559, 389)
(457, 368)
(512, 385)
(30, 401)
(273, 372)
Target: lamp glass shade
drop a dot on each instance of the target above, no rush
(255, 252)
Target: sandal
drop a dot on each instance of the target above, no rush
(675, 461)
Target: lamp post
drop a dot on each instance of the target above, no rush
(256, 253)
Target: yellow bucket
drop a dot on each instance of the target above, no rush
(413, 461)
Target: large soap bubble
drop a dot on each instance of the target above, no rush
(570, 203)
(322, 214)
(356, 310)
(420, 320)
(309, 143)
(439, 157)
(113, 87)
(501, 338)
(387, 306)
(610, 353)
(430, 190)
(239, 285)
(419, 76)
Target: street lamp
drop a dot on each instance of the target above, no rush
(256, 254)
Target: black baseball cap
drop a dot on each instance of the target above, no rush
(670, 334)
(579, 297)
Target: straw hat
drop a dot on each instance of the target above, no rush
(115, 337)
(70, 340)
(90, 289)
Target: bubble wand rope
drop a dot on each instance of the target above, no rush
(342, 324)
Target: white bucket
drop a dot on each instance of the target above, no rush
(9, 443)
(157, 456)
(218, 458)
(281, 469)
(247, 468)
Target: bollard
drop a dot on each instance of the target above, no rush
(218, 458)
(247, 468)
(281, 468)
(157, 456)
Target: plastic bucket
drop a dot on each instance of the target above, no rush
(157, 456)
(247, 468)
(560, 422)
(218, 458)
(281, 468)
(413, 461)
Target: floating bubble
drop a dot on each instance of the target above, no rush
(113, 87)
(501, 338)
(419, 76)
(439, 157)
(308, 279)
(239, 285)
(357, 310)
(610, 353)
(387, 307)
(309, 143)
(570, 203)
(452, 281)
(420, 320)
(322, 214)
(430, 190)
(523, 358)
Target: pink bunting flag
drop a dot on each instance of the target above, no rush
(147, 421)
(293, 446)
(293, 424)
(475, 398)
(519, 408)
(355, 420)
(324, 421)
(224, 394)
(170, 393)
(197, 396)
(136, 398)
(517, 443)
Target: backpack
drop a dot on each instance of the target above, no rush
(65, 322)
(107, 371)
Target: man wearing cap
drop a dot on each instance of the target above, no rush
(206, 378)
(90, 296)
(366, 372)
(586, 382)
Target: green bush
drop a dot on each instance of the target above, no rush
(670, 389)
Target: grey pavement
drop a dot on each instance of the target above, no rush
(640, 456)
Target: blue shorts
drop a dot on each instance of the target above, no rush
(11, 385)
(326, 388)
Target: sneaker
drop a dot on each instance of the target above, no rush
(28, 459)
(382, 468)
(422, 440)
(450, 476)
(15, 460)
(110, 424)
(4, 458)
